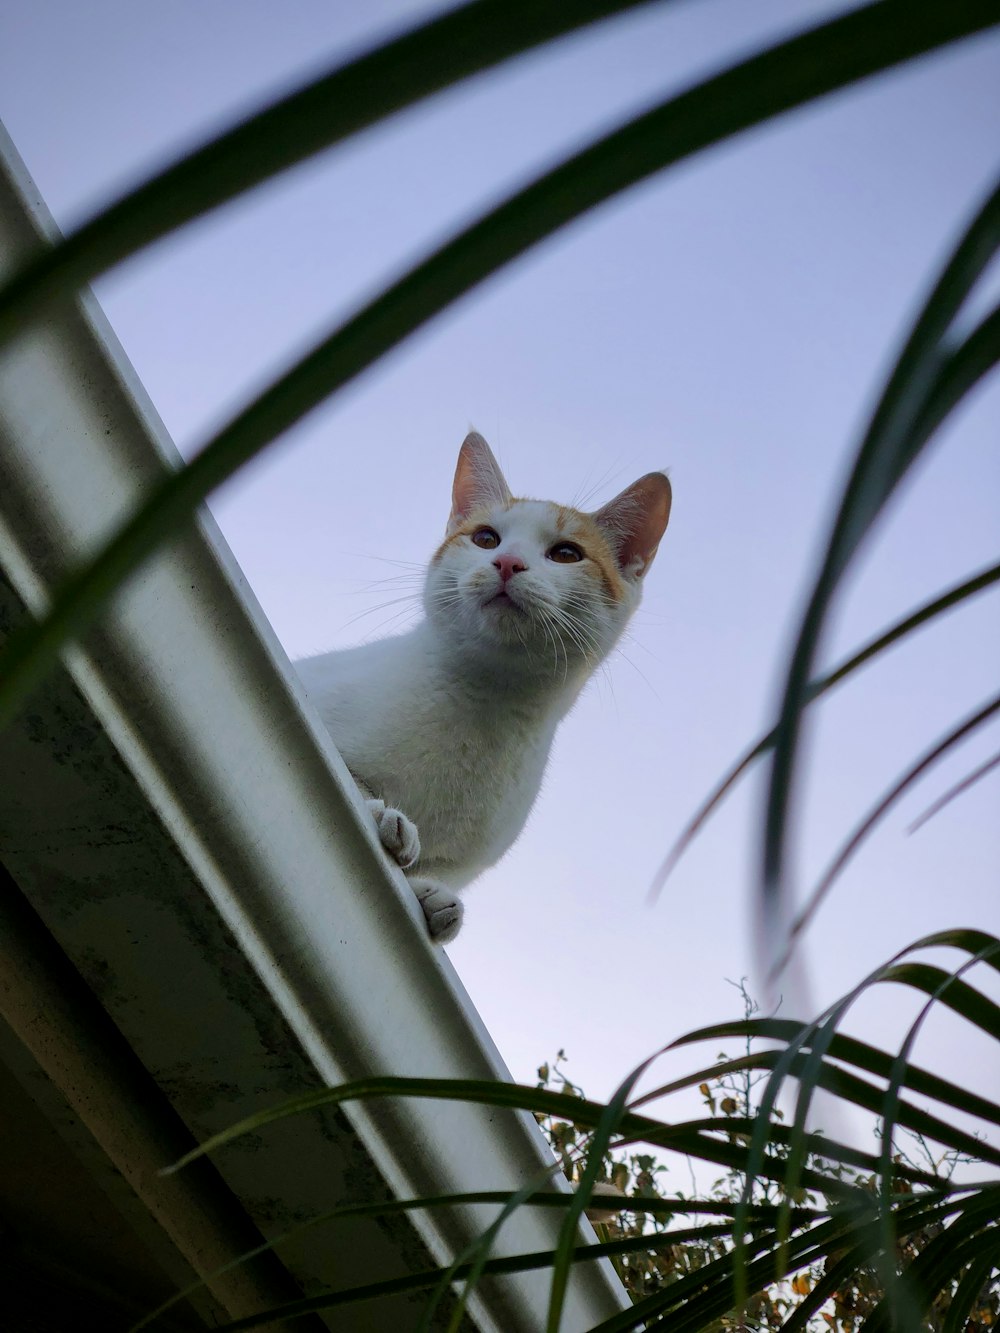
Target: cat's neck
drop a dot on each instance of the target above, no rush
(488, 678)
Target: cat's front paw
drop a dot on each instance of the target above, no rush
(397, 834)
(442, 910)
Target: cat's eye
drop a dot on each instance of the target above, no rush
(565, 553)
(486, 538)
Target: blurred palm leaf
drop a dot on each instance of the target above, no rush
(352, 97)
(679, 1205)
(923, 615)
(934, 372)
(863, 42)
(882, 807)
(950, 795)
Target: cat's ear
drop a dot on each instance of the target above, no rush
(479, 483)
(635, 521)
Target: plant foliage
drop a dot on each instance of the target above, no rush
(799, 1227)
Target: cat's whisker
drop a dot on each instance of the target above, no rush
(571, 633)
(556, 639)
(566, 629)
(548, 625)
(619, 651)
(628, 637)
(580, 633)
(587, 492)
(391, 623)
(411, 600)
(520, 637)
(572, 637)
(538, 613)
(565, 633)
(586, 630)
(406, 616)
(446, 597)
(421, 568)
(411, 580)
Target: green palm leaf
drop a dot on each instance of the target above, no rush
(967, 1292)
(923, 615)
(835, 54)
(950, 795)
(928, 381)
(857, 1228)
(518, 1263)
(847, 1050)
(879, 811)
(424, 61)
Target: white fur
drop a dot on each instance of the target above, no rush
(451, 723)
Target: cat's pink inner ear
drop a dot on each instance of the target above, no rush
(479, 483)
(636, 520)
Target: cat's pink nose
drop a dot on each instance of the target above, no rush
(509, 565)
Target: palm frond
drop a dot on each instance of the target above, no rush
(931, 610)
(929, 379)
(350, 98)
(879, 811)
(970, 780)
(819, 61)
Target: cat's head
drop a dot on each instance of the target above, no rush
(535, 587)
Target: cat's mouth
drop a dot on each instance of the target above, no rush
(503, 599)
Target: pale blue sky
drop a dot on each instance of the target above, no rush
(730, 321)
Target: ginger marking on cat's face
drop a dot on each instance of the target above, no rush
(547, 582)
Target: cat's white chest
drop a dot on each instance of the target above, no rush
(465, 765)
(485, 779)
(467, 777)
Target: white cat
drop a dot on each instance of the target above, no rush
(447, 728)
